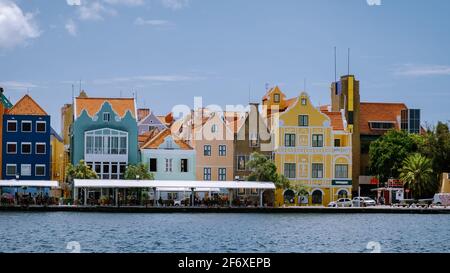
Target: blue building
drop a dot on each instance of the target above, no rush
(26, 151)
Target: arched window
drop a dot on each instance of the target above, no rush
(342, 194)
(289, 196)
(317, 197)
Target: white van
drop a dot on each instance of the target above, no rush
(442, 199)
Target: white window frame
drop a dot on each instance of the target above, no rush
(7, 144)
(21, 148)
(169, 165)
(224, 174)
(45, 148)
(40, 165)
(209, 173)
(41, 122)
(26, 121)
(21, 169)
(7, 126)
(11, 165)
(224, 151)
(312, 170)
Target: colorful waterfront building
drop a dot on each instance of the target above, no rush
(313, 149)
(5, 104)
(57, 160)
(26, 151)
(368, 121)
(208, 133)
(104, 134)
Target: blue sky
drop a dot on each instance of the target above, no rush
(169, 51)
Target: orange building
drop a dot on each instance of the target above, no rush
(5, 104)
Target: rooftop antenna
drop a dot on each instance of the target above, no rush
(304, 84)
(80, 85)
(348, 62)
(73, 91)
(249, 93)
(335, 66)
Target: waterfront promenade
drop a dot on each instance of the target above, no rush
(306, 209)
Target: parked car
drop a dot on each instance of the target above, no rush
(441, 199)
(342, 202)
(363, 202)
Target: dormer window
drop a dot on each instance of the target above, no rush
(106, 117)
(276, 98)
(213, 128)
(381, 125)
(303, 101)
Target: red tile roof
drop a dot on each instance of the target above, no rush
(93, 105)
(27, 106)
(370, 111)
(157, 140)
(336, 120)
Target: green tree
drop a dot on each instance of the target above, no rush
(417, 175)
(138, 172)
(436, 146)
(387, 153)
(263, 169)
(80, 171)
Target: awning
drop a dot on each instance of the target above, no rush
(29, 183)
(97, 183)
(188, 189)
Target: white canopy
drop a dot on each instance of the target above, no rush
(188, 189)
(160, 184)
(29, 183)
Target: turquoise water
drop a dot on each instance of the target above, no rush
(106, 232)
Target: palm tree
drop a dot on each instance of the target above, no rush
(417, 174)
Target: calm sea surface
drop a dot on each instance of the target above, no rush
(98, 232)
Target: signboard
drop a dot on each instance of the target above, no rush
(395, 183)
(399, 195)
(341, 182)
(374, 181)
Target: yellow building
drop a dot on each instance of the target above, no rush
(445, 184)
(312, 148)
(58, 163)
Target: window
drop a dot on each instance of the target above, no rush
(26, 148)
(317, 170)
(153, 165)
(222, 150)
(26, 126)
(11, 169)
(106, 117)
(206, 174)
(12, 126)
(303, 120)
(241, 163)
(106, 141)
(289, 170)
(213, 128)
(207, 150)
(289, 140)
(40, 170)
(11, 147)
(222, 174)
(303, 101)
(381, 125)
(317, 140)
(276, 98)
(168, 165)
(341, 171)
(184, 165)
(25, 170)
(41, 126)
(40, 148)
(254, 140)
(337, 143)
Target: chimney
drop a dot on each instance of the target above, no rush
(143, 113)
(1, 90)
(169, 118)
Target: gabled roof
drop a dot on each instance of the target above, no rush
(336, 120)
(93, 105)
(3, 100)
(27, 106)
(376, 112)
(157, 140)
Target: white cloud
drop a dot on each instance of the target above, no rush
(71, 27)
(422, 70)
(157, 23)
(149, 78)
(15, 26)
(14, 85)
(126, 2)
(95, 11)
(73, 2)
(175, 4)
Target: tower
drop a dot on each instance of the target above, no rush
(345, 98)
